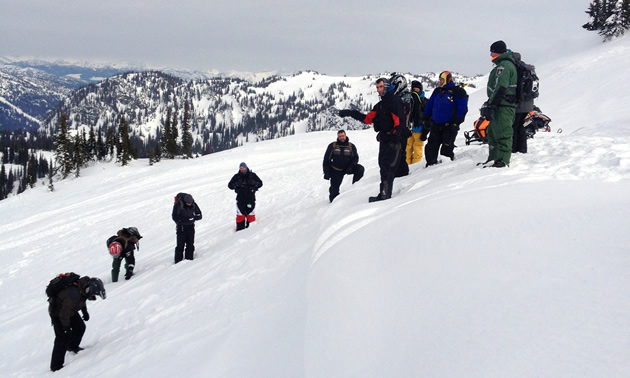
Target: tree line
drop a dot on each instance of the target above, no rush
(21, 166)
(610, 18)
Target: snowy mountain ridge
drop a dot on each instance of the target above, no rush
(226, 112)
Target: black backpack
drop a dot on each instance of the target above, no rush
(527, 81)
(179, 199)
(61, 282)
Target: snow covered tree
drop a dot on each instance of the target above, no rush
(174, 146)
(187, 140)
(110, 142)
(616, 24)
(31, 171)
(63, 148)
(51, 170)
(610, 18)
(91, 148)
(594, 12)
(101, 150)
(166, 136)
(3, 182)
(124, 146)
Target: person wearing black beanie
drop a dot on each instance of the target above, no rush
(498, 47)
(501, 105)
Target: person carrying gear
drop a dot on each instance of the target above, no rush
(64, 309)
(127, 240)
(500, 107)
(399, 82)
(185, 214)
(341, 158)
(415, 144)
(388, 119)
(245, 183)
(444, 112)
(523, 108)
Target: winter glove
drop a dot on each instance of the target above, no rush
(326, 176)
(423, 135)
(487, 111)
(352, 113)
(350, 170)
(458, 120)
(86, 316)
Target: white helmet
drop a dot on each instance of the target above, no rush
(399, 82)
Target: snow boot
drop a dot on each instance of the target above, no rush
(377, 198)
(75, 350)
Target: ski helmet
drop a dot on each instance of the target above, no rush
(94, 288)
(132, 231)
(447, 77)
(399, 82)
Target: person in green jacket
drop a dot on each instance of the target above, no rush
(501, 105)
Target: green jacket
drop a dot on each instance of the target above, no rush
(502, 81)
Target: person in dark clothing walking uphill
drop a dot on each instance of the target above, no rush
(122, 246)
(388, 119)
(245, 183)
(185, 214)
(64, 310)
(445, 111)
(341, 158)
(500, 107)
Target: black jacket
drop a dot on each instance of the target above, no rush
(69, 301)
(245, 185)
(388, 117)
(340, 157)
(185, 215)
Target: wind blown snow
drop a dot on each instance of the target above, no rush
(472, 272)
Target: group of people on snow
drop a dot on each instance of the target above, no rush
(403, 121)
(64, 305)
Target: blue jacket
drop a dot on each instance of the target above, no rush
(448, 104)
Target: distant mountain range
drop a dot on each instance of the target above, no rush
(227, 110)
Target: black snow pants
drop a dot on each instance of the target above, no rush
(336, 178)
(185, 238)
(388, 160)
(442, 140)
(65, 340)
(519, 140)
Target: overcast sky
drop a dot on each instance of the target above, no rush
(335, 37)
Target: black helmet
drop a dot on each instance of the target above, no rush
(132, 231)
(399, 82)
(94, 288)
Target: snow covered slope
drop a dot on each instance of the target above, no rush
(472, 272)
